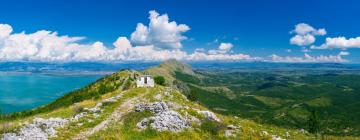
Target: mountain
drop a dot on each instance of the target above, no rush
(169, 68)
(279, 97)
(114, 108)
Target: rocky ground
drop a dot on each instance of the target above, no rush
(169, 113)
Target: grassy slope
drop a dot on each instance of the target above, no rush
(125, 128)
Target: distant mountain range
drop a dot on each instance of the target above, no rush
(38, 67)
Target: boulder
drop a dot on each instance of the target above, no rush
(232, 127)
(10, 136)
(229, 133)
(78, 116)
(156, 107)
(169, 121)
(143, 123)
(210, 116)
(164, 119)
(274, 137)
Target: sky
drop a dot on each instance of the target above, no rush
(213, 30)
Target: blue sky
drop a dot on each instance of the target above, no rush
(258, 28)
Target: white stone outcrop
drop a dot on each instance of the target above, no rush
(40, 129)
(169, 121)
(164, 119)
(156, 107)
(209, 115)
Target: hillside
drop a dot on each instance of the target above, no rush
(113, 108)
(283, 98)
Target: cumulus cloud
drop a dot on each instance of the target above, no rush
(304, 29)
(339, 43)
(160, 32)
(305, 34)
(5, 30)
(223, 49)
(221, 53)
(159, 40)
(302, 40)
(311, 59)
(49, 46)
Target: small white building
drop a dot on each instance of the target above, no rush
(145, 81)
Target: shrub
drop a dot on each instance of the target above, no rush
(313, 122)
(77, 109)
(193, 95)
(127, 85)
(212, 127)
(77, 98)
(160, 80)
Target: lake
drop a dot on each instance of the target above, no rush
(22, 91)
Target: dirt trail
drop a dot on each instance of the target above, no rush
(119, 112)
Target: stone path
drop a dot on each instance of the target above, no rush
(122, 110)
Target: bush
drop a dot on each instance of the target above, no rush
(77, 98)
(77, 109)
(212, 127)
(193, 95)
(127, 85)
(160, 80)
(313, 122)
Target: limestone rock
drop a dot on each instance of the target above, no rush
(169, 121)
(229, 133)
(40, 129)
(164, 119)
(156, 107)
(274, 137)
(143, 123)
(210, 115)
(10, 136)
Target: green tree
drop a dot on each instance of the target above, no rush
(313, 122)
(160, 80)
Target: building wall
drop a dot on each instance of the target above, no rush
(140, 82)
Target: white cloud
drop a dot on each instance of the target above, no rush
(158, 41)
(223, 49)
(339, 43)
(305, 34)
(312, 59)
(305, 29)
(5, 30)
(221, 53)
(160, 32)
(302, 40)
(201, 56)
(50, 46)
(342, 53)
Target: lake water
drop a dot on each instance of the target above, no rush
(26, 91)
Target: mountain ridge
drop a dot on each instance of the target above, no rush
(106, 109)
